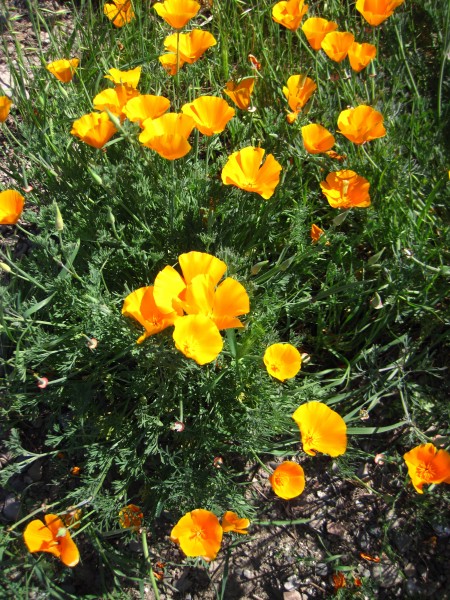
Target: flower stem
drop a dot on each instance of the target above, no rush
(147, 558)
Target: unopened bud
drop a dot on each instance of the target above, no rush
(178, 426)
(5, 267)
(59, 223)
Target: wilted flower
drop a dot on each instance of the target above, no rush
(167, 135)
(426, 464)
(240, 93)
(5, 106)
(72, 518)
(244, 170)
(52, 537)
(360, 55)
(11, 206)
(321, 429)
(336, 44)
(42, 382)
(315, 29)
(316, 233)
(63, 69)
(191, 45)
(282, 361)
(361, 124)
(120, 12)
(317, 138)
(130, 516)
(210, 114)
(177, 12)
(289, 13)
(377, 11)
(94, 129)
(115, 99)
(346, 189)
(339, 581)
(144, 107)
(178, 426)
(198, 337)
(288, 480)
(298, 90)
(231, 522)
(129, 78)
(198, 533)
(75, 471)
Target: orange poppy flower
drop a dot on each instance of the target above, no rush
(361, 124)
(426, 464)
(316, 233)
(243, 169)
(321, 429)
(240, 93)
(63, 69)
(140, 305)
(129, 78)
(317, 139)
(289, 13)
(346, 189)
(198, 533)
(210, 114)
(336, 44)
(231, 522)
(11, 206)
(5, 106)
(282, 361)
(53, 537)
(298, 90)
(144, 107)
(315, 29)
(120, 12)
(288, 480)
(94, 129)
(360, 55)
(167, 135)
(377, 11)
(115, 99)
(130, 516)
(192, 45)
(169, 62)
(177, 12)
(198, 337)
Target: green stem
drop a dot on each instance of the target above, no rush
(446, 50)
(147, 558)
(403, 55)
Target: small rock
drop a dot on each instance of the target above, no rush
(317, 524)
(248, 574)
(135, 546)
(35, 471)
(322, 569)
(412, 589)
(11, 508)
(387, 574)
(321, 494)
(402, 541)
(409, 570)
(293, 595)
(292, 582)
(336, 528)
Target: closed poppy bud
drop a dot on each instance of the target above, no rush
(191, 46)
(336, 44)
(5, 106)
(315, 29)
(5, 267)
(288, 480)
(317, 139)
(316, 233)
(377, 11)
(360, 55)
(177, 12)
(11, 206)
(361, 124)
(94, 129)
(120, 12)
(63, 69)
(59, 223)
(240, 93)
(42, 382)
(289, 13)
(346, 189)
(282, 361)
(210, 114)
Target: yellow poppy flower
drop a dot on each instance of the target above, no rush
(244, 170)
(321, 429)
(120, 12)
(11, 206)
(361, 124)
(426, 464)
(115, 99)
(336, 44)
(130, 516)
(317, 139)
(288, 480)
(198, 533)
(360, 55)
(210, 114)
(298, 90)
(198, 337)
(63, 69)
(240, 93)
(140, 305)
(169, 62)
(177, 13)
(377, 11)
(5, 106)
(94, 129)
(145, 106)
(192, 45)
(167, 135)
(315, 29)
(282, 361)
(346, 189)
(52, 537)
(231, 522)
(289, 13)
(130, 78)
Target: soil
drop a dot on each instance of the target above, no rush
(360, 525)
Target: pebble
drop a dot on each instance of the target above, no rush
(409, 570)
(322, 569)
(334, 528)
(293, 595)
(35, 471)
(321, 494)
(387, 575)
(292, 582)
(248, 573)
(11, 508)
(317, 524)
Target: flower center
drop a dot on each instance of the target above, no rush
(425, 472)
